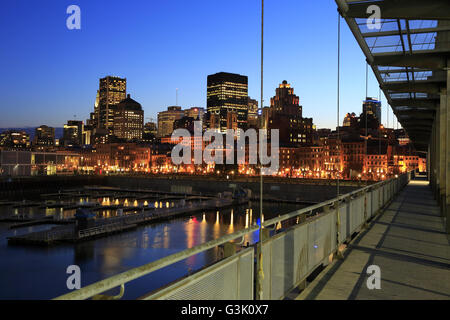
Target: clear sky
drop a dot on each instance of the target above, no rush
(50, 74)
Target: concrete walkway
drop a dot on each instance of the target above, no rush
(409, 244)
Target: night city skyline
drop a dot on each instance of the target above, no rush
(154, 74)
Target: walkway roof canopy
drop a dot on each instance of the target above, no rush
(409, 53)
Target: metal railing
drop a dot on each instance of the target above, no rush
(302, 247)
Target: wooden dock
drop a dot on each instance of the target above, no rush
(106, 226)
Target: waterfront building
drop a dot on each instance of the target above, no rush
(28, 163)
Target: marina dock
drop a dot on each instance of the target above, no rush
(106, 226)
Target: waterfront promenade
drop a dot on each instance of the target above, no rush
(407, 241)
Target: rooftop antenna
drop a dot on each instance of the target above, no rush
(176, 90)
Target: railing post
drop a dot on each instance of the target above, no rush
(365, 225)
(339, 254)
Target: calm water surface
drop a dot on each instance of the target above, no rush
(28, 272)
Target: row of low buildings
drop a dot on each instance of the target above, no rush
(115, 138)
(30, 163)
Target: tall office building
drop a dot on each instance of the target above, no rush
(166, 119)
(228, 92)
(286, 116)
(112, 90)
(372, 106)
(44, 136)
(73, 133)
(285, 101)
(128, 119)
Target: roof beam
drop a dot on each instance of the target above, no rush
(401, 70)
(419, 102)
(417, 86)
(403, 31)
(417, 129)
(431, 60)
(415, 114)
(401, 9)
(417, 121)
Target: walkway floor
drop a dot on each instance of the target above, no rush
(409, 244)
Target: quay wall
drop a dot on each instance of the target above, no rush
(31, 188)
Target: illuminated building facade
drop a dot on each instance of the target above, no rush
(73, 133)
(166, 120)
(112, 90)
(286, 116)
(263, 117)
(228, 92)
(350, 120)
(44, 137)
(26, 163)
(195, 112)
(232, 120)
(372, 106)
(185, 123)
(11, 139)
(252, 117)
(128, 120)
(117, 157)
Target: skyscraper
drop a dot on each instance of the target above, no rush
(286, 115)
(112, 90)
(228, 92)
(372, 106)
(128, 119)
(285, 101)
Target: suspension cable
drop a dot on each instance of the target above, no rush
(365, 116)
(338, 96)
(260, 257)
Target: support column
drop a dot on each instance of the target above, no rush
(433, 157)
(447, 152)
(428, 163)
(437, 158)
(442, 149)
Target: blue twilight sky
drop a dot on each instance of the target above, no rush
(49, 74)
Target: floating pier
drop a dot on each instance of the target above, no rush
(106, 226)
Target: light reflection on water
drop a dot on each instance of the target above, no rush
(60, 213)
(40, 273)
